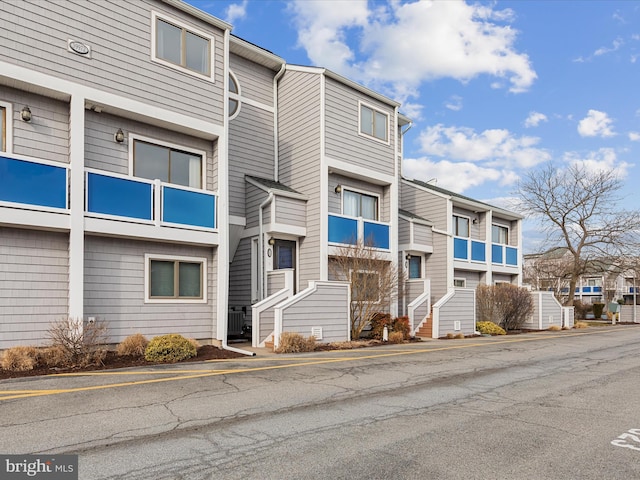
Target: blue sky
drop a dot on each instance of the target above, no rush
(493, 88)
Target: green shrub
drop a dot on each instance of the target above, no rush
(169, 348)
(134, 345)
(396, 337)
(490, 328)
(291, 342)
(598, 308)
(19, 359)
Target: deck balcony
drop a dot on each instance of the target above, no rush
(345, 230)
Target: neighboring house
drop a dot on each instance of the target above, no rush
(470, 243)
(604, 280)
(165, 176)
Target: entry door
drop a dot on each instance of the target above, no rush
(284, 256)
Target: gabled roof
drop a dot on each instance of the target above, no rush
(413, 216)
(468, 201)
(276, 187)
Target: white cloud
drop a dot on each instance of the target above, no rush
(595, 124)
(634, 136)
(495, 147)
(396, 46)
(604, 159)
(454, 176)
(617, 43)
(454, 103)
(235, 12)
(534, 119)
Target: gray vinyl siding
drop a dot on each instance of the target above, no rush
(502, 277)
(343, 140)
(255, 81)
(327, 307)
(102, 153)
(114, 290)
(290, 211)
(276, 281)
(404, 231)
(47, 135)
(414, 288)
(299, 152)
(545, 308)
(254, 197)
(437, 268)
(240, 276)
(472, 278)
(459, 308)
(425, 204)
(335, 199)
(251, 152)
(34, 278)
(422, 234)
(119, 34)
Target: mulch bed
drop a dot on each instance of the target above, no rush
(205, 352)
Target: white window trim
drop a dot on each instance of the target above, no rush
(508, 233)
(147, 278)
(203, 154)
(361, 192)
(154, 17)
(458, 279)
(235, 96)
(375, 109)
(422, 266)
(351, 271)
(8, 127)
(453, 225)
(255, 271)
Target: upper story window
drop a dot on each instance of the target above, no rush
(181, 46)
(499, 234)
(460, 226)
(3, 129)
(415, 266)
(234, 95)
(374, 123)
(168, 164)
(356, 204)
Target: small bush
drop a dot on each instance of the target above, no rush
(598, 308)
(195, 343)
(581, 309)
(459, 336)
(451, 335)
(19, 359)
(54, 356)
(581, 325)
(134, 345)
(169, 349)
(291, 342)
(554, 328)
(401, 324)
(378, 321)
(396, 337)
(490, 328)
(82, 341)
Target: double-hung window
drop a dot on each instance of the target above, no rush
(374, 123)
(168, 164)
(356, 204)
(461, 226)
(181, 46)
(500, 234)
(180, 279)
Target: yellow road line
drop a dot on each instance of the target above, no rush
(12, 395)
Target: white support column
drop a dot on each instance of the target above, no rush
(76, 205)
(489, 247)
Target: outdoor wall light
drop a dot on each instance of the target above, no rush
(272, 241)
(25, 114)
(408, 257)
(119, 136)
(338, 188)
(475, 220)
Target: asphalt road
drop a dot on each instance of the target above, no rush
(561, 405)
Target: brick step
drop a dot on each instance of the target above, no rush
(426, 330)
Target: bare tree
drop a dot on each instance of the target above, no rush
(374, 282)
(504, 304)
(579, 208)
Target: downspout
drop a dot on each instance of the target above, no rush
(276, 160)
(261, 269)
